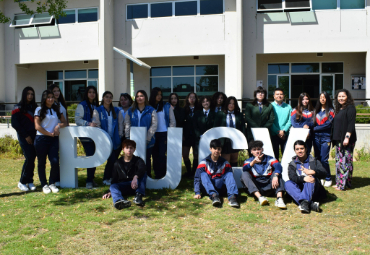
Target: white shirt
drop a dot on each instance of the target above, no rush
(50, 120)
(162, 126)
(62, 110)
(228, 119)
(218, 108)
(204, 111)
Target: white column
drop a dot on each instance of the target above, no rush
(2, 58)
(367, 92)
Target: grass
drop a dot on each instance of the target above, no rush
(172, 222)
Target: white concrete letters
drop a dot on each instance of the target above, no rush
(263, 135)
(69, 162)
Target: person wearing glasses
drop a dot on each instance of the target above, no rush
(83, 117)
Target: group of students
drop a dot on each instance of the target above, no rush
(38, 130)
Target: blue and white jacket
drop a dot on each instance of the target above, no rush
(263, 171)
(102, 121)
(83, 114)
(306, 119)
(323, 123)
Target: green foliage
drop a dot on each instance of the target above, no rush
(362, 109)
(71, 112)
(363, 155)
(10, 148)
(53, 7)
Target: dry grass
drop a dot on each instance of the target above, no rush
(79, 222)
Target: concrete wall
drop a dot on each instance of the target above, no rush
(34, 75)
(2, 58)
(354, 63)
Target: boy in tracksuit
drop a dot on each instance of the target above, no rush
(213, 174)
(262, 176)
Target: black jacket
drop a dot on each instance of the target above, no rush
(122, 174)
(24, 123)
(320, 172)
(201, 125)
(179, 116)
(349, 114)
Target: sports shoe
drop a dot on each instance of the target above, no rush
(138, 200)
(31, 186)
(233, 202)
(22, 187)
(215, 200)
(90, 185)
(315, 206)
(280, 203)
(53, 188)
(122, 203)
(57, 184)
(263, 200)
(304, 206)
(46, 189)
(107, 182)
(328, 183)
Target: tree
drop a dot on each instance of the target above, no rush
(53, 7)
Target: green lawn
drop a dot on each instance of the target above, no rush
(80, 222)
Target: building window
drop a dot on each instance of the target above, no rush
(186, 8)
(73, 83)
(79, 16)
(24, 20)
(322, 5)
(161, 10)
(211, 7)
(201, 79)
(283, 5)
(352, 4)
(137, 11)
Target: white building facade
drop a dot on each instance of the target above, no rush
(191, 45)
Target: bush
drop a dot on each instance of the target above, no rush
(71, 112)
(363, 109)
(10, 148)
(362, 155)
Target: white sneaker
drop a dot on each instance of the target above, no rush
(31, 186)
(46, 189)
(280, 203)
(53, 188)
(328, 183)
(107, 182)
(322, 182)
(263, 200)
(57, 184)
(22, 187)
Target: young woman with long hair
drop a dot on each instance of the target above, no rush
(166, 119)
(324, 113)
(141, 114)
(106, 117)
(174, 103)
(344, 138)
(59, 100)
(231, 117)
(47, 124)
(189, 140)
(218, 101)
(83, 117)
(259, 113)
(302, 117)
(125, 102)
(23, 122)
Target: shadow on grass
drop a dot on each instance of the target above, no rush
(360, 182)
(14, 194)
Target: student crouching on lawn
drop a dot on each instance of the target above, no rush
(262, 176)
(128, 177)
(213, 174)
(304, 185)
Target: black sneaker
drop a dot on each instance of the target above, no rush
(215, 200)
(138, 200)
(304, 207)
(122, 203)
(315, 206)
(233, 202)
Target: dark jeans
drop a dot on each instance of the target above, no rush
(309, 143)
(47, 146)
(29, 153)
(305, 191)
(159, 155)
(148, 163)
(124, 188)
(89, 147)
(215, 185)
(110, 163)
(265, 188)
(276, 143)
(322, 150)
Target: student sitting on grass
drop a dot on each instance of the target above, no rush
(304, 185)
(262, 176)
(213, 174)
(128, 177)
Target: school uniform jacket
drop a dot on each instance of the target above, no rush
(255, 119)
(262, 171)
(306, 119)
(220, 121)
(323, 123)
(295, 175)
(23, 122)
(188, 131)
(200, 124)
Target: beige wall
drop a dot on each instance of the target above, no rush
(35, 75)
(354, 63)
(142, 75)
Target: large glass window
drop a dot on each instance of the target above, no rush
(69, 18)
(211, 7)
(76, 74)
(54, 75)
(161, 10)
(322, 5)
(186, 8)
(278, 68)
(270, 4)
(306, 68)
(43, 18)
(352, 4)
(138, 11)
(21, 20)
(202, 79)
(332, 67)
(297, 3)
(88, 15)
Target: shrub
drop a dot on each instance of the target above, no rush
(71, 112)
(363, 109)
(362, 155)
(10, 147)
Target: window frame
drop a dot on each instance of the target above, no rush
(31, 20)
(195, 75)
(76, 15)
